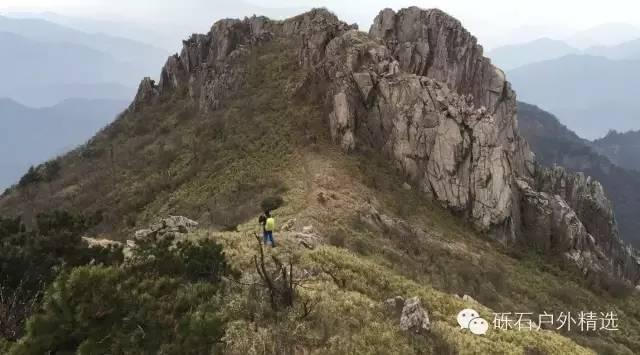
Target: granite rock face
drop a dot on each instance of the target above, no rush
(418, 90)
(436, 136)
(433, 44)
(585, 224)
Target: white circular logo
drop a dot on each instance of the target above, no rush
(465, 316)
(478, 326)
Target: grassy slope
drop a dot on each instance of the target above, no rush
(217, 167)
(453, 259)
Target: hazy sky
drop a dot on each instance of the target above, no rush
(488, 19)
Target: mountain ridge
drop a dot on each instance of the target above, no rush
(484, 170)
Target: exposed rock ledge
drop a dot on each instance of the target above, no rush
(418, 89)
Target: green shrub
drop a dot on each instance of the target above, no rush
(51, 170)
(5, 345)
(203, 260)
(165, 301)
(31, 259)
(31, 177)
(338, 237)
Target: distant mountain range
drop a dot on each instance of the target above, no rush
(623, 149)
(42, 73)
(592, 90)
(626, 50)
(163, 30)
(30, 136)
(516, 55)
(592, 95)
(59, 86)
(554, 143)
(608, 34)
(48, 63)
(125, 50)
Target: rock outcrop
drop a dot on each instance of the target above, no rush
(418, 90)
(462, 154)
(176, 227)
(206, 67)
(571, 214)
(413, 318)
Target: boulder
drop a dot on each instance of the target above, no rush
(142, 233)
(308, 240)
(288, 225)
(172, 226)
(102, 243)
(414, 318)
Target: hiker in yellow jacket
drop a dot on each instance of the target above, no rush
(269, 227)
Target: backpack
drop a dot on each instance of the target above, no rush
(270, 225)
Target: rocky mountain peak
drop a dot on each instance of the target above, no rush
(431, 43)
(418, 90)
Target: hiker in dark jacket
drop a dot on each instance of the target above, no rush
(262, 220)
(267, 223)
(267, 233)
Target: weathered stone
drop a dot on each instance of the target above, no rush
(308, 240)
(143, 233)
(102, 243)
(288, 225)
(172, 226)
(433, 44)
(414, 318)
(147, 94)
